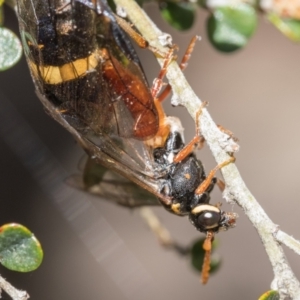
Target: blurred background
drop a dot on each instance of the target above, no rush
(97, 250)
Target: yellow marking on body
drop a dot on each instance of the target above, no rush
(204, 207)
(66, 72)
(176, 208)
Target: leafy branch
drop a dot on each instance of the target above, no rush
(19, 251)
(284, 279)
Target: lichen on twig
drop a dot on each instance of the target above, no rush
(14, 293)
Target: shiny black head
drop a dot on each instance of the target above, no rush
(206, 217)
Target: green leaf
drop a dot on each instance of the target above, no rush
(19, 249)
(270, 295)
(181, 16)
(289, 27)
(10, 49)
(197, 256)
(230, 27)
(1, 14)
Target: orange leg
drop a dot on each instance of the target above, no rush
(158, 83)
(139, 39)
(220, 184)
(182, 66)
(198, 139)
(205, 184)
(228, 132)
(207, 245)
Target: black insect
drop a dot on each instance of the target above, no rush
(180, 183)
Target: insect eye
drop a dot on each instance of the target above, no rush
(209, 219)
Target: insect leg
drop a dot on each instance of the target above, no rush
(221, 185)
(205, 184)
(157, 83)
(183, 65)
(198, 139)
(228, 132)
(206, 262)
(139, 39)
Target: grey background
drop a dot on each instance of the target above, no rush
(96, 250)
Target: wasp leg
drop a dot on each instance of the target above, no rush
(207, 245)
(131, 32)
(221, 184)
(197, 140)
(158, 82)
(228, 132)
(157, 85)
(183, 65)
(205, 184)
(142, 43)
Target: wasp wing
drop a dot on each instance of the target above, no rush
(79, 67)
(73, 56)
(100, 181)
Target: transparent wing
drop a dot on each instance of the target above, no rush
(100, 181)
(82, 64)
(91, 82)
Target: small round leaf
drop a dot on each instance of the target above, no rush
(10, 49)
(197, 256)
(19, 249)
(181, 16)
(230, 27)
(270, 295)
(289, 27)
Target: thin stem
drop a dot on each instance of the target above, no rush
(14, 293)
(288, 240)
(284, 279)
(162, 234)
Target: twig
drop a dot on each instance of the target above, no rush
(162, 234)
(284, 279)
(288, 240)
(14, 293)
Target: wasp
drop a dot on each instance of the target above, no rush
(90, 80)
